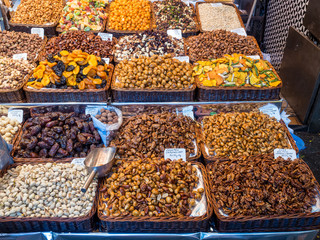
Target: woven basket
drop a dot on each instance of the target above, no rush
(290, 222)
(69, 95)
(185, 33)
(222, 93)
(210, 158)
(55, 224)
(213, 1)
(160, 224)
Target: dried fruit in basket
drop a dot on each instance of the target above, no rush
(235, 70)
(70, 70)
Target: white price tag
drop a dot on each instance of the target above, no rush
(188, 111)
(78, 161)
(175, 33)
(18, 56)
(39, 31)
(92, 110)
(285, 153)
(187, 2)
(107, 60)
(216, 4)
(16, 114)
(105, 36)
(240, 31)
(255, 57)
(183, 59)
(175, 154)
(271, 110)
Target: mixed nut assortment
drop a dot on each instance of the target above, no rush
(58, 135)
(70, 70)
(13, 73)
(85, 41)
(19, 42)
(156, 72)
(262, 186)
(174, 14)
(147, 44)
(46, 190)
(8, 128)
(242, 134)
(215, 44)
(147, 136)
(150, 187)
(107, 116)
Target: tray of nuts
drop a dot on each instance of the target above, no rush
(258, 194)
(46, 197)
(55, 136)
(160, 79)
(149, 135)
(172, 196)
(235, 134)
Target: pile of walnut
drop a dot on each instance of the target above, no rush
(149, 135)
(243, 134)
(150, 187)
(262, 186)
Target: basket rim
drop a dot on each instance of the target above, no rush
(25, 80)
(242, 219)
(168, 219)
(225, 3)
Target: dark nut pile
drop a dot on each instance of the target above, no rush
(149, 135)
(154, 72)
(262, 186)
(215, 44)
(107, 116)
(19, 42)
(174, 14)
(148, 44)
(58, 135)
(243, 134)
(150, 187)
(13, 72)
(85, 41)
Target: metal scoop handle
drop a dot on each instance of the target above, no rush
(89, 181)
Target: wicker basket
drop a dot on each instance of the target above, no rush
(290, 222)
(213, 1)
(55, 224)
(186, 33)
(222, 93)
(160, 224)
(209, 158)
(69, 95)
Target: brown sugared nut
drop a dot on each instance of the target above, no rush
(107, 116)
(150, 187)
(262, 186)
(146, 136)
(243, 134)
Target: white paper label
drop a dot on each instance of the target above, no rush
(175, 154)
(216, 4)
(39, 31)
(187, 2)
(78, 161)
(107, 60)
(183, 59)
(285, 153)
(240, 31)
(175, 33)
(16, 114)
(254, 57)
(18, 56)
(92, 110)
(271, 110)
(105, 36)
(188, 111)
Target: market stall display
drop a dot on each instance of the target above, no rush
(263, 191)
(84, 15)
(8, 128)
(175, 14)
(160, 78)
(236, 77)
(147, 44)
(170, 195)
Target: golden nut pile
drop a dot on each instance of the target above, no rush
(150, 187)
(156, 72)
(243, 134)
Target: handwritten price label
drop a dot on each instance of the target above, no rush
(78, 161)
(285, 153)
(183, 59)
(105, 36)
(39, 31)
(16, 114)
(175, 153)
(23, 56)
(175, 33)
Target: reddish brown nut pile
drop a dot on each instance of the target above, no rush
(149, 135)
(150, 187)
(107, 116)
(262, 186)
(58, 135)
